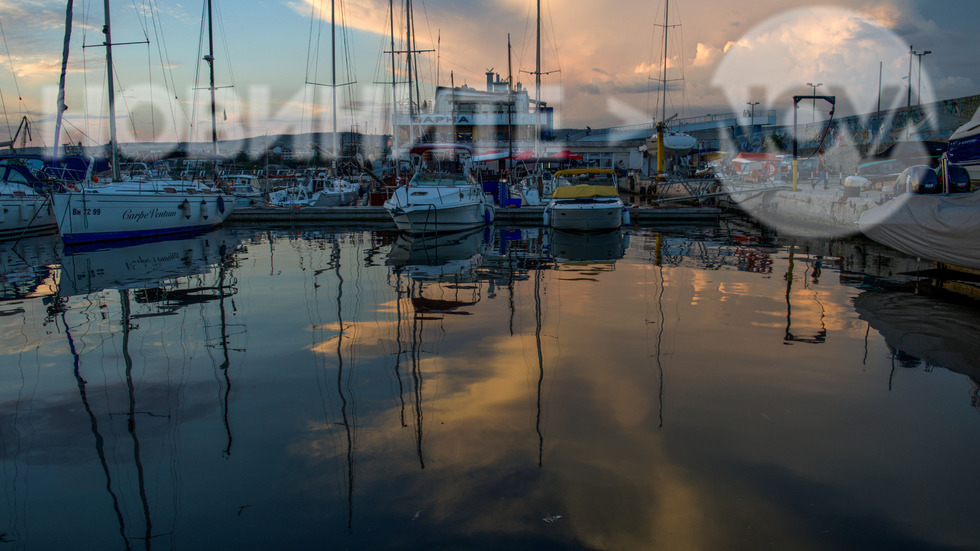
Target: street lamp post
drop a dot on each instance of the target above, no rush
(918, 85)
(752, 104)
(814, 86)
(908, 101)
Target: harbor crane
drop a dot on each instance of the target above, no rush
(25, 127)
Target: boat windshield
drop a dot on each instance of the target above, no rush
(442, 179)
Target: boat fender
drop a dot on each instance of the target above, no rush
(204, 209)
(221, 204)
(487, 218)
(626, 216)
(185, 207)
(547, 216)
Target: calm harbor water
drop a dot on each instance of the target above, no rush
(707, 387)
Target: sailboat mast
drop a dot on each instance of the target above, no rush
(408, 42)
(61, 87)
(394, 96)
(210, 60)
(112, 95)
(333, 70)
(663, 85)
(537, 88)
(510, 114)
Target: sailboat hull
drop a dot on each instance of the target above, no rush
(675, 142)
(25, 215)
(88, 216)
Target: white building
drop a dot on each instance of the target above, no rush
(484, 119)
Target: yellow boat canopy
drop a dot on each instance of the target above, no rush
(584, 191)
(580, 171)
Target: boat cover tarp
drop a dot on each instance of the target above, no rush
(943, 227)
(583, 191)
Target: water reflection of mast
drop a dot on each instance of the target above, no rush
(94, 425)
(658, 262)
(537, 341)
(398, 343)
(417, 376)
(335, 260)
(131, 424)
(225, 360)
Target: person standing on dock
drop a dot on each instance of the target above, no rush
(821, 171)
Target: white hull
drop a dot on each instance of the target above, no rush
(25, 215)
(93, 216)
(426, 209)
(675, 142)
(333, 198)
(585, 216)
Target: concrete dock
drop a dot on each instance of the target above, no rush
(523, 216)
(835, 207)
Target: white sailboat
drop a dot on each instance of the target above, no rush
(536, 189)
(331, 190)
(138, 204)
(674, 141)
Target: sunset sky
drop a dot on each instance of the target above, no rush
(603, 59)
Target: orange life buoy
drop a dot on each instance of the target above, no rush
(769, 169)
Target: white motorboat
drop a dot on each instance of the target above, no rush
(244, 188)
(442, 196)
(333, 192)
(535, 190)
(316, 190)
(586, 199)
